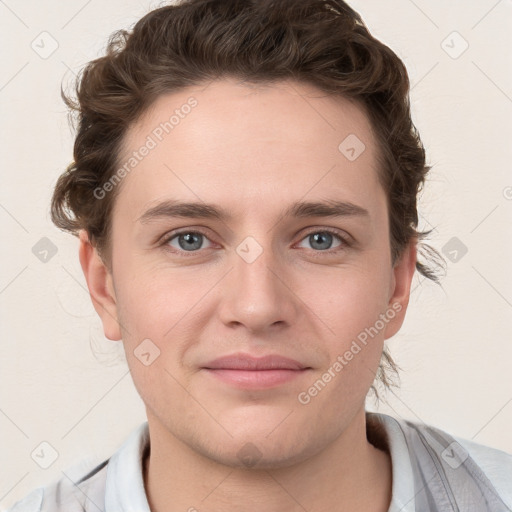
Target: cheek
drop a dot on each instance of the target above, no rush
(352, 312)
(354, 309)
(152, 303)
(162, 313)
(154, 311)
(348, 300)
(158, 303)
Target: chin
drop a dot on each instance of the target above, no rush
(252, 456)
(256, 451)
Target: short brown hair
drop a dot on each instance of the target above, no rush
(324, 43)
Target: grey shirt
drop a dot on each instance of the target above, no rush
(432, 471)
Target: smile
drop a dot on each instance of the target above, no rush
(246, 371)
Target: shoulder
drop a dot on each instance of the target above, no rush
(88, 485)
(495, 464)
(454, 450)
(458, 466)
(71, 493)
(30, 503)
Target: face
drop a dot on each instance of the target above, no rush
(285, 253)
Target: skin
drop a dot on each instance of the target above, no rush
(254, 151)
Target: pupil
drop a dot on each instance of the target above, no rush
(192, 241)
(319, 238)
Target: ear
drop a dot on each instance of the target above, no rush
(400, 288)
(101, 287)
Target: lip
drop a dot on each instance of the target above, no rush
(242, 361)
(246, 371)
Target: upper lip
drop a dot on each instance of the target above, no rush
(247, 362)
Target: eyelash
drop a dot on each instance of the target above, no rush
(167, 238)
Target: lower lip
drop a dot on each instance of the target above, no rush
(255, 379)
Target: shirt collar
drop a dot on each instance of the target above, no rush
(402, 488)
(125, 492)
(124, 488)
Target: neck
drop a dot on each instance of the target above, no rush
(349, 474)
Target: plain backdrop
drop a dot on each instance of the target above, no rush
(64, 384)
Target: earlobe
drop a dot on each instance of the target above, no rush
(100, 285)
(403, 272)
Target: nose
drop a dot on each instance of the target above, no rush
(258, 293)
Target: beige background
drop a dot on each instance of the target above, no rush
(455, 347)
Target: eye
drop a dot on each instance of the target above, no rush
(192, 241)
(323, 240)
(189, 241)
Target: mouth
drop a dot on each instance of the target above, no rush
(245, 371)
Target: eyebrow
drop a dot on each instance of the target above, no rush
(299, 209)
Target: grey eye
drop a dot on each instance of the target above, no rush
(188, 241)
(321, 240)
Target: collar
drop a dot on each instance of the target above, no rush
(402, 488)
(124, 489)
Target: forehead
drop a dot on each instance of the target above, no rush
(231, 142)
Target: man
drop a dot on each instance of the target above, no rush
(244, 190)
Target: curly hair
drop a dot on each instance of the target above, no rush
(324, 43)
